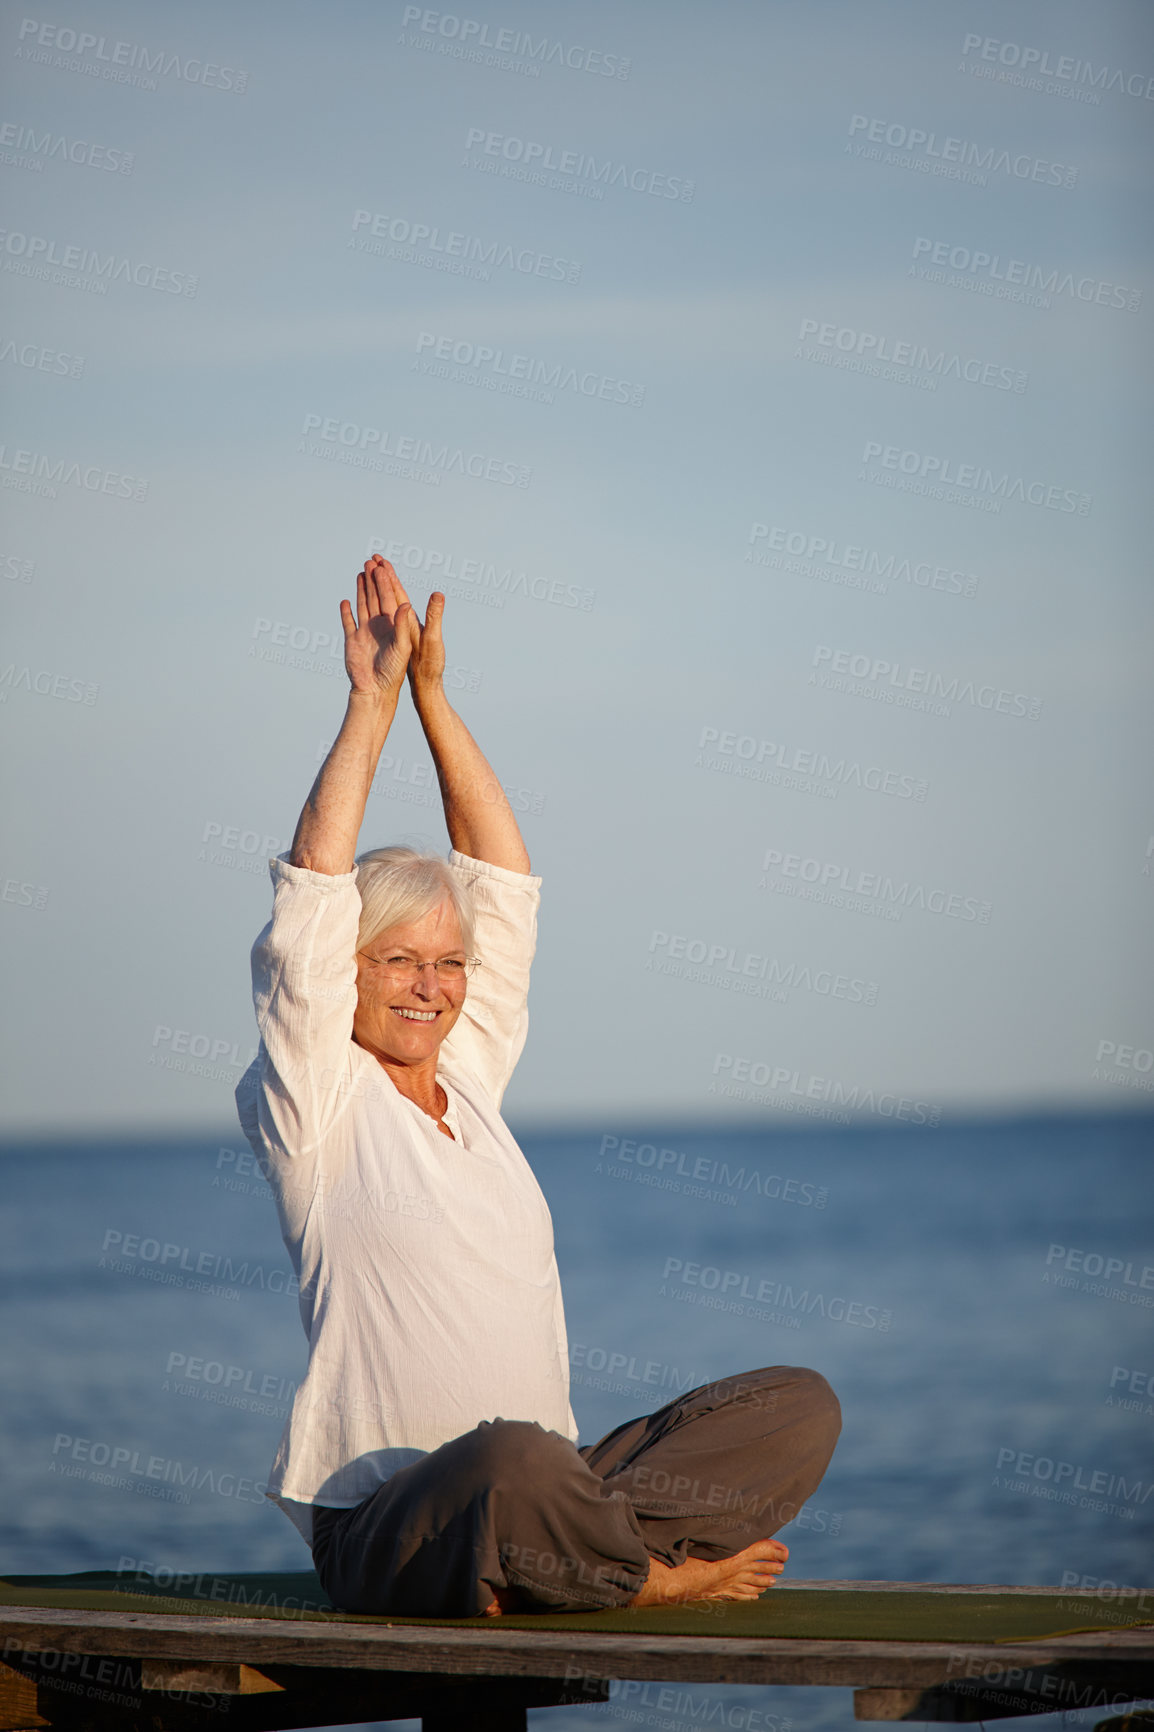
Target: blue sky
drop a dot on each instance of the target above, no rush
(839, 344)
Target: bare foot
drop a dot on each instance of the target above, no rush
(744, 1576)
(506, 1601)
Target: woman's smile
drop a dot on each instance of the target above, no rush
(426, 1002)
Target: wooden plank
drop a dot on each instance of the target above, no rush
(172, 1675)
(310, 1699)
(1015, 1690)
(946, 1706)
(262, 1643)
(923, 1705)
(17, 1701)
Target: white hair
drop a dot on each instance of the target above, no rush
(399, 884)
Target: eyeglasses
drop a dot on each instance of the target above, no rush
(405, 970)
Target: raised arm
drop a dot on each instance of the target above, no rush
(478, 817)
(378, 645)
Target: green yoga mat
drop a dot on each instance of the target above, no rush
(811, 1614)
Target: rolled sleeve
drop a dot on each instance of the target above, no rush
(304, 980)
(489, 1035)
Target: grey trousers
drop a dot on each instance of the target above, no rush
(510, 1505)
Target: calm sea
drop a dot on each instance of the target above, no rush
(980, 1295)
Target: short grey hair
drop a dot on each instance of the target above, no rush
(398, 884)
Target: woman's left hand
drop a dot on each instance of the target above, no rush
(427, 660)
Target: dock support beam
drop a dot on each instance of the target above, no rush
(185, 1696)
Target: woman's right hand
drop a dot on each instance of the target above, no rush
(379, 642)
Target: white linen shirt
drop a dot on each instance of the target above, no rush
(429, 1289)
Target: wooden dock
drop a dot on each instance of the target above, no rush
(159, 1671)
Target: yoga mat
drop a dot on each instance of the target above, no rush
(810, 1614)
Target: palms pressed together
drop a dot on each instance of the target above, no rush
(386, 639)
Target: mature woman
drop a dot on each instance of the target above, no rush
(431, 1457)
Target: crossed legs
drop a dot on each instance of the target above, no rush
(681, 1503)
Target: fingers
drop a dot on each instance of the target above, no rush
(347, 620)
(385, 586)
(407, 627)
(402, 593)
(376, 587)
(376, 576)
(380, 591)
(434, 613)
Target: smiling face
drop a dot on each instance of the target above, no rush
(403, 1022)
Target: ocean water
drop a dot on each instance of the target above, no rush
(980, 1295)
